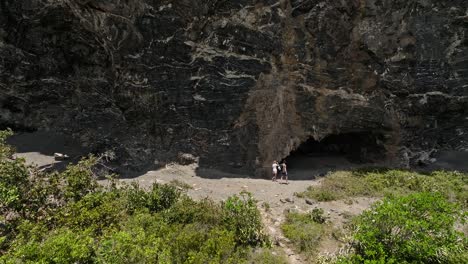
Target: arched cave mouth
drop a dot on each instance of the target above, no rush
(336, 151)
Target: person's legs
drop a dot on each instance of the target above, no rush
(284, 176)
(274, 176)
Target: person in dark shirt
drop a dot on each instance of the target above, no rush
(284, 172)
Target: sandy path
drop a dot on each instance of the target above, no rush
(222, 185)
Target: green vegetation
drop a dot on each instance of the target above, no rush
(242, 216)
(68, 218)
(418, 228)
(419, 220)
(377, 183)
(305, 230)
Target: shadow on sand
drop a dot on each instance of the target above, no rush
(39, 147)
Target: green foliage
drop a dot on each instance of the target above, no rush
(69, 218)
(341, 184)
(80, 179)
(303, 231)
(135, 197)
(14, 185)
(10, 195)
(187, 211)
(243, 217)
(5, 150)
(418, 228)
(161, 197)
(126, 247)
(96, 211)
(317, 215)
(60, 246)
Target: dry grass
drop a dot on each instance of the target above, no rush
(378, 183)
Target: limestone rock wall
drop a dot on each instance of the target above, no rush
(236, 82)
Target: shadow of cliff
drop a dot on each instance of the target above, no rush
(299, 168)
(38, 148)
(449, 160)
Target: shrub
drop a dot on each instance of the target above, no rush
(242, 216)
(5, 150)
(187, 211)
(96, 211)
(61, 246)
(135, 197)
(218, 247)
(161, 197)
(13, 185)
(317, 216)
(79, 179)
(132, 246)
(303, 231)
(418, 228)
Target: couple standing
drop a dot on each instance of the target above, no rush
(277, 168)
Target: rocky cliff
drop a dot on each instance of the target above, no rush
(238, 82)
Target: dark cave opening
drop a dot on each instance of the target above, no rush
(336, 151)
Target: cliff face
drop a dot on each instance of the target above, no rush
(237, 82)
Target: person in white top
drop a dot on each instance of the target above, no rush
(274, 167)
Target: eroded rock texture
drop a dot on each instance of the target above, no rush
(237, 83)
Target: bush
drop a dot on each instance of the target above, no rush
(135, 197)
(61, 246)
(96, 211)
(161, 197)
(243, 218)
(187, 211)
(6, 151)
(13, 185)
(80, 179)
(132, 246)
(218, 247)
(303, 231)
(317, 215)
(418, 228)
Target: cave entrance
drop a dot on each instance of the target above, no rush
(340, 151)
